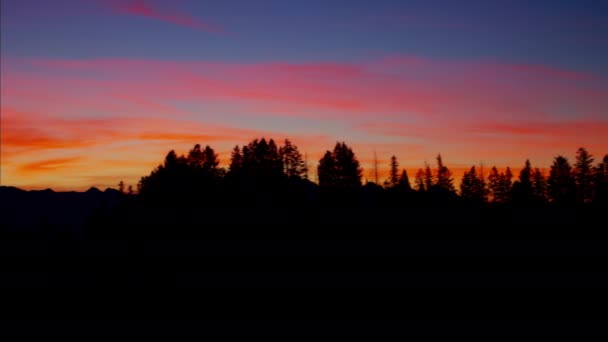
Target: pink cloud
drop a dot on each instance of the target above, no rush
(146, 9)
(28, 134)
(411, 106)
(393, 85)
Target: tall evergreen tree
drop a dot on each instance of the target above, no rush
(428, 178)
(562, 186)
(293, 164)
(583, 175)
(419, 180)
(168, 179)
(494, 184)
(600, 182)
(171, 160)
(523, 191)
(525, 176)
(499, 185)
(444, 176)
(236, 160)
(393, 178)
(404, 181)
(275, 162)
(262, 162)
(211, 162)
(340, 168)
(348, 166)
(121, 187)
(506, 185)
(472, 187)
(196, 157)
(327, 171)
(539, 185)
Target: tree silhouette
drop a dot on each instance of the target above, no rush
(539, 185)
(562, 186)
(506, 185)
(499, 185)
(393, 178)
(419, 180)
(202, 169)
(121, 187)
(211, 163)
(236, 160)
(473, 187)
(168, 180)
(196, 158)
(494, 184)
(445, 182)
(339, 168)
(583, 175)
(262, 172)
(523, 191)
(326, 171)
(600, 181)
(275, 163)
(293, 164)
(262, 162)
(428, 178)
(130, 190)
(404, 181)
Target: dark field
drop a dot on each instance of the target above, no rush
(366, 269)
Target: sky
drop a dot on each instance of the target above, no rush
(97, 91)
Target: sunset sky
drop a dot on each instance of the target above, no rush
(98, 91)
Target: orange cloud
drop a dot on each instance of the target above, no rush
(414, 107)
(566, 129)
(35, 131)
(49, 165)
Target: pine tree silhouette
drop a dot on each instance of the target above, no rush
(393, 178)
(404, 181)
(339, 168)
(293, 164)
(419, 180)
(473, 187)
(562, 186)
(583, 175)
(445, 182)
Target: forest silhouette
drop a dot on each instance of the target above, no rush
(261, 168)
(266, 189)
(192, 233)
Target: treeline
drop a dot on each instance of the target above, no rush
(265, 171)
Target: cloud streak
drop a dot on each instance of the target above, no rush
(39, 147)
(145, 8)
(390, 85)
(49, 165)
(469, 110)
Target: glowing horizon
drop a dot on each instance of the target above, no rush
(158, 76)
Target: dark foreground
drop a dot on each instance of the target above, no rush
(373, 270)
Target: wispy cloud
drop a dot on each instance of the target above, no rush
(146, 8)
(47, 165)
(391, 85)
(412, 106)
